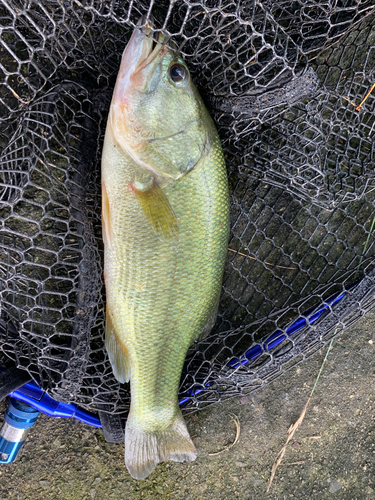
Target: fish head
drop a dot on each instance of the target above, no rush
(157, 115)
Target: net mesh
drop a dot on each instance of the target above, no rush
(284, 82)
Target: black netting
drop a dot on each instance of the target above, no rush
(283, 81)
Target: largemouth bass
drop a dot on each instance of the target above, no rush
(165, 217)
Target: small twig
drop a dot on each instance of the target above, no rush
(24, 102)
(230, 445)
(358, 108)
(346, 99)
(295, 463)
(253, 258)
(293, 428)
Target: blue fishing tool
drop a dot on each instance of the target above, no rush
(19, 419)
(33, 395)
(24, 407)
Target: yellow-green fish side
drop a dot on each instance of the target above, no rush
(162, 283)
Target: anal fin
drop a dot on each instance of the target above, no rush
(156, 206)
(117, 352)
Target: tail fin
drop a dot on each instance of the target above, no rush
(144, 450)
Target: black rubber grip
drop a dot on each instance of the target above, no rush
(12, 379)
(112, 427)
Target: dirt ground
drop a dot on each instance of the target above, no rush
(331, 456)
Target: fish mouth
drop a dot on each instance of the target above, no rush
(142, 54)
(152, 47)
(143, 49)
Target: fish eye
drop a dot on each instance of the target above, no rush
(178, 73)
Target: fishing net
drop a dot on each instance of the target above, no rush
(284, 82)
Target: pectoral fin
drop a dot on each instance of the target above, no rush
(158, 210)
(117, 352)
